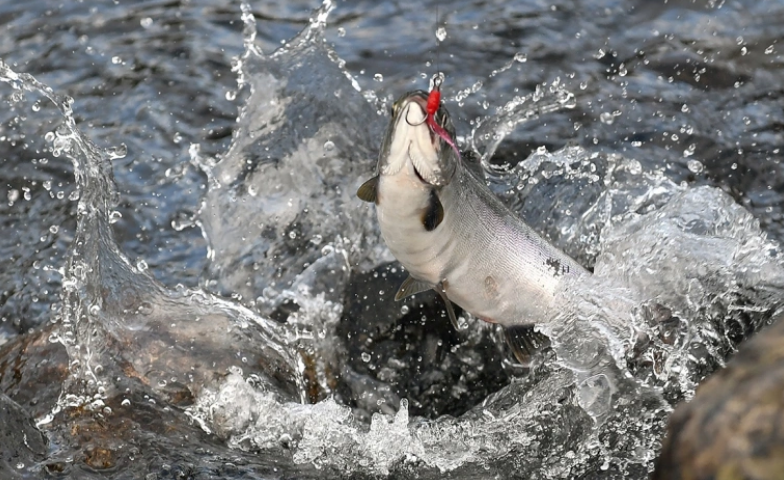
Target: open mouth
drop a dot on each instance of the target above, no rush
(419, 175)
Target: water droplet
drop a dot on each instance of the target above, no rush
(119, 151)
(695, 166)
(231, 95)
(521, 57)
(690, 150)
(378, 77)
(441, 34)
(329, 146)
(115, 216)
(145, 308)
(365, 357)
(126, 403)
(36, 107)
(116, 60)
(292, 234)
(54, 229)
(404, 309)
(769, 50)
(685, 108)
(146, 22)
(141, 265)
(341, 32)
(177, 137)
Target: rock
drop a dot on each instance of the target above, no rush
(20, 442)
(733, 429)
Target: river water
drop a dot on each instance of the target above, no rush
(192, 290)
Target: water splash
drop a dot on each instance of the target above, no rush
(116, 319)
(301, 147)
(562, 421)
(491, 131)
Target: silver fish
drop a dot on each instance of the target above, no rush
(442, 222)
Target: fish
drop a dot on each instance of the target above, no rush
(440, 220)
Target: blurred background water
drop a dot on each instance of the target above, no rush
(629, 133)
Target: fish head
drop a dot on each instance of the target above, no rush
(412, 147)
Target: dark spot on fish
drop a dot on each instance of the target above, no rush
(558, 267)
(433, 215)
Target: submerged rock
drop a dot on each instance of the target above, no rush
(733, 429)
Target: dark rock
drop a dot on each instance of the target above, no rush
(733, 429)
(20, 442)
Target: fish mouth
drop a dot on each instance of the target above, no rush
(415, 115)
(422, 110)
(421, 102)
(416, 172)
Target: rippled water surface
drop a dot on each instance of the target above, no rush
(191, 288)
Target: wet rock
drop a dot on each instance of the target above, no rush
(733, 429)
(32, 369)
(20, 442)
(409, 349)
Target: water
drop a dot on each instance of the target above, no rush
(208, 299)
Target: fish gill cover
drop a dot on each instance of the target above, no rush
(680, 276)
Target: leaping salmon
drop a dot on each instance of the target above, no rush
(445, 226)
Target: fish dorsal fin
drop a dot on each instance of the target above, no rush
(434, 213)
(449, 309)
(411, 286)
(368, 191)
(525, 342)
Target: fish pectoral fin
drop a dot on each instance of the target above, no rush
(525, 342)
(412, 286)
(368, 191)
(433, 215)
(449, 309)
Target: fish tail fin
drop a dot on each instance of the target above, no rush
(525, 342)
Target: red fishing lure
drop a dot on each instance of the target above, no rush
(433, 102)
